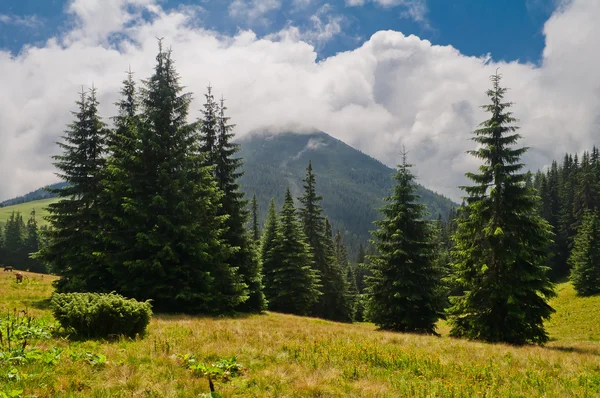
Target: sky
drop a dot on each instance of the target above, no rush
(377, 74)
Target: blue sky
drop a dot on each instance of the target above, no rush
(508, 29)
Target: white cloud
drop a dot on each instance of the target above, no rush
(253, 11)
(414, 9)
(323, 27)
(27, 21)
(393, 90)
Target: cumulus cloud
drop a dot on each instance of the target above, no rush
(391, 91)
(324, 25)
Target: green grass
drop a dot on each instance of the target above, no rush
(288, 356)
(25, 209)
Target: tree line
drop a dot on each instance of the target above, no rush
(153, 210)
(18, 239)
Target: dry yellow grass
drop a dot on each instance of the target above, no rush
(289, 356)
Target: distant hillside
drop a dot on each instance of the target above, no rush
(25, 209)
(38, 194)
(352, 184)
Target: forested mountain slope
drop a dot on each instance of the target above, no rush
(352, 184)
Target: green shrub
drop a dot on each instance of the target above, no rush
(101, 315)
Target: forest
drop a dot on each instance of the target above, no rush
(153, 209)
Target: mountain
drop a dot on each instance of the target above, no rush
(38, 194)
(352, 183)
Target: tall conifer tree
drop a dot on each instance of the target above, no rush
(350, 286)
(255, 227)
(291, 282)
(585, 259)
(270, 238)
(403, 288)
(123, 168)
(31, 244)
(75, 218)
(233, 205)
(179, 256)
(333, 303)
(501, 241)
(209, 126)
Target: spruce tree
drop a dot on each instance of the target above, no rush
(123, 168)
(14, 239)
(351, 288)
(270, 238)
(31, 244)
(501, 241)
(255, 227)
(75, 219)
(585, 258)
(333, 302)
(291, 282)
(403, 289)
(233, 205)
(209, 126)
(178, 257)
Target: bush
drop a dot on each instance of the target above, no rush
(101, 315)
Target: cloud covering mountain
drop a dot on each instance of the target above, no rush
(390, 91)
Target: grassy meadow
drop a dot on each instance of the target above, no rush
(290, 356)
(25, 209)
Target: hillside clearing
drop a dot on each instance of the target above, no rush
(26, 208)
(294, 356)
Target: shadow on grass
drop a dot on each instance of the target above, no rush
(165, 316)
(39, 304)
(577, 350)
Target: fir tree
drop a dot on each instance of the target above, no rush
(403, 289)
(178, 257)
(585, 258)
(501, 242)
(233, 205)
(292, 283)
(75, 218)
(333, 302)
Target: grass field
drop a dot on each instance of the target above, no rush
(25, 209)
(289, 356)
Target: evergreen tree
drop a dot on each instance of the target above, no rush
(75, 218)
(245, 258)
(178, 257)
(122, 170)
(585, 258)
(351, 289)
(403, 290)
(31, 245)
(270, 238)
(209, 128)
(255, 227)
(333, 302)
(292, 284)
(501, 242)
(14, 239)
